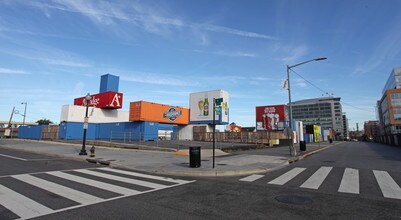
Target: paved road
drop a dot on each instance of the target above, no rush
(33, 185)
(324, 186)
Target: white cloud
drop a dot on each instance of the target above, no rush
(13, 71)
(152, 78)
(388, 48)
(300, 82)
(294, 54)
(147, 17)
(227, 53)
(70, 63)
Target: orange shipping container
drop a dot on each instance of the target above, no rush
(149, 111)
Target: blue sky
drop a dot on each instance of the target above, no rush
(54, 51)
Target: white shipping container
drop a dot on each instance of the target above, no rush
(201, 107)
(186, 132)
(75, 113)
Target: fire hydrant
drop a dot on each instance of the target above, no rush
(92, 150)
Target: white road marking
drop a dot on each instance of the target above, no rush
(72, 194)
(21, 205)
(123, 179)
(389, 187)
(28, 208)
(283, 179)
(317, 178)
(350, 181)
(145, 175)
(252, 178)
(12, 157)
(94, 183)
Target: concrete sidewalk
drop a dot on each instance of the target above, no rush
(173, 163)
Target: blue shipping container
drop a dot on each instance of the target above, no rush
(75, 130)
(109, 83)
(30, 132)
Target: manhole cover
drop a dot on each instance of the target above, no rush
(329, 161)
(293, 199)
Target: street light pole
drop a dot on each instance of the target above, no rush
(24, 103)
(83, 150)
(293, 152)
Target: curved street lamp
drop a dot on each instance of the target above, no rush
(87, 99)
(292, 149)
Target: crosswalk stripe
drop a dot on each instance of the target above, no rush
(94, 183)
(72, 194)
(20, 204)
(252, 178)
(123, 179)
(145, 175)
(317, 178)
(283, 179)
(388, 186)
(350, 181)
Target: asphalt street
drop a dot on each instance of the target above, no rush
(353, 180)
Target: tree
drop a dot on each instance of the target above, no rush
(44, 121)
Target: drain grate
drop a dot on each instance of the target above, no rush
(294, 199)
(328, 161)
(221, 164)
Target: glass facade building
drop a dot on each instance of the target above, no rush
(326, 112)
(389, 106)
(393, 81)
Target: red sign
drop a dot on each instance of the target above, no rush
(271, 117)
(112, 100)
(235, 128)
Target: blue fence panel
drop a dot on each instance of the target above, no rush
(30, 132)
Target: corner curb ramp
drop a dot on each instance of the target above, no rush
(194, 172)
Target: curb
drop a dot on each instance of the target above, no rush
(314, 152)
(192, 172)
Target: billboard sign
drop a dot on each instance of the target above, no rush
(270, 118)
(109, 100)
(201, 107)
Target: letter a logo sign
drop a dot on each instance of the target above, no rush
(115, 100)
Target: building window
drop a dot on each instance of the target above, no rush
(396, 99)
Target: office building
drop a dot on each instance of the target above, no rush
(389, 106)
(325, 111)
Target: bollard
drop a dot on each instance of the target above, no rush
(92, 150)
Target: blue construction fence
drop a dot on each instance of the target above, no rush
(394, 139)
(145, 131)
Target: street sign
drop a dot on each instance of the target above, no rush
(218, 110)
(218, 101)
(85, 125)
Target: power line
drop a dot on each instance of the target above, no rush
(309, 82)
(327, 93)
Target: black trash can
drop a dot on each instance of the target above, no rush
(330, 140)
(194, 156)
(302, 146)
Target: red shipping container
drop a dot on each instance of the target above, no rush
(273, 117)
(110, 100)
